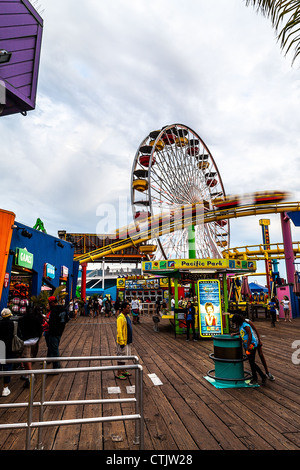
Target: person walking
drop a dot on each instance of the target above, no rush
(286, 307)
(6, 335)
(156, 320)
(100, 302)
(277, 308)
(71, 308)
(272, 307)
(117, 306)
(135, 310)
(95, 307)
(31, 327)
(250, 345)
(57, 322)
(108, 307)
(190, 320)
(76, 307)
(124, 338)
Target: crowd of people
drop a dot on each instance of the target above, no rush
(35, 323)
(29, 329)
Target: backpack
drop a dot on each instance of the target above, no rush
(17, 343)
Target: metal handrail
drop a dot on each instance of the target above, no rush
(30, 424)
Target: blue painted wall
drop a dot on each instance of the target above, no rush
(112, 291)
(45, 250)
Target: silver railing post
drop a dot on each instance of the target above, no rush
(141, 402)
(30, 411)
(41, 415)
(138, 416)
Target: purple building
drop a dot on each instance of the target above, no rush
(21, 29)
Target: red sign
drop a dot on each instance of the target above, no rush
(6, 279)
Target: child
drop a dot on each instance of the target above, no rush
(259, 349)
(156, 321)
(250, 344)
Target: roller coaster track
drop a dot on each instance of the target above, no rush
(260, 252)
(209, 216)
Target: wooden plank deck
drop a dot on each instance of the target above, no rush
(184, 413)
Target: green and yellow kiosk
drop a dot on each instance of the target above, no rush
(207, 279)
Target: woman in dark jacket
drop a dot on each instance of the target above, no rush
(31, 327)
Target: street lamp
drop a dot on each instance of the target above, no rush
(4, 56)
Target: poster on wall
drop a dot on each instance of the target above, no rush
(209, 303)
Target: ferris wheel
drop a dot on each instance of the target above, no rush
(173, 168)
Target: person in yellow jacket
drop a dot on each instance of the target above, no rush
(124, 338)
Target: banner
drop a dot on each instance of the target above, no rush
(209, 303)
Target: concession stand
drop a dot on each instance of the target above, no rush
(207, 286)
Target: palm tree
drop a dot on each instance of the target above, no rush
(285, 18)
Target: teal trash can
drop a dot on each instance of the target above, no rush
(229, 360)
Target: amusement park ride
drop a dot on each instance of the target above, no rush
(180, 209)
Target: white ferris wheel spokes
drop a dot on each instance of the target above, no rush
(173, 168)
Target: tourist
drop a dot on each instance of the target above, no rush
(250, 344)
(135, 310)
(76, 306)
(124, 338)
(6, 335)
(95, 307)
(31, 327)
(277, 308)
(57, 321)
(190, 314)
(107, 307)
(164, 308)
(286, 307)
(259, 349)
(117, 306)
(71, 309)
(100, 304)
(156, 320)
(272, 307)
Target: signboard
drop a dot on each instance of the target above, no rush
(23, 258)
(136, 284)
(49, 271)
(209, 307)
(64, 272)
(199, 264)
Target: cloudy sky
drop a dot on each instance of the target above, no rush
(111, 72)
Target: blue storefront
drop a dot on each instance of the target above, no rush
(37, 261)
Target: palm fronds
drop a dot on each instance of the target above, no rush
(285, 18)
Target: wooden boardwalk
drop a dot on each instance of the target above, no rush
(184, 413)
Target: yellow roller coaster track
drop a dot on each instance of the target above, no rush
(260, 252)
(208, 217)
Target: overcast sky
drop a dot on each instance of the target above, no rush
(111, 72)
